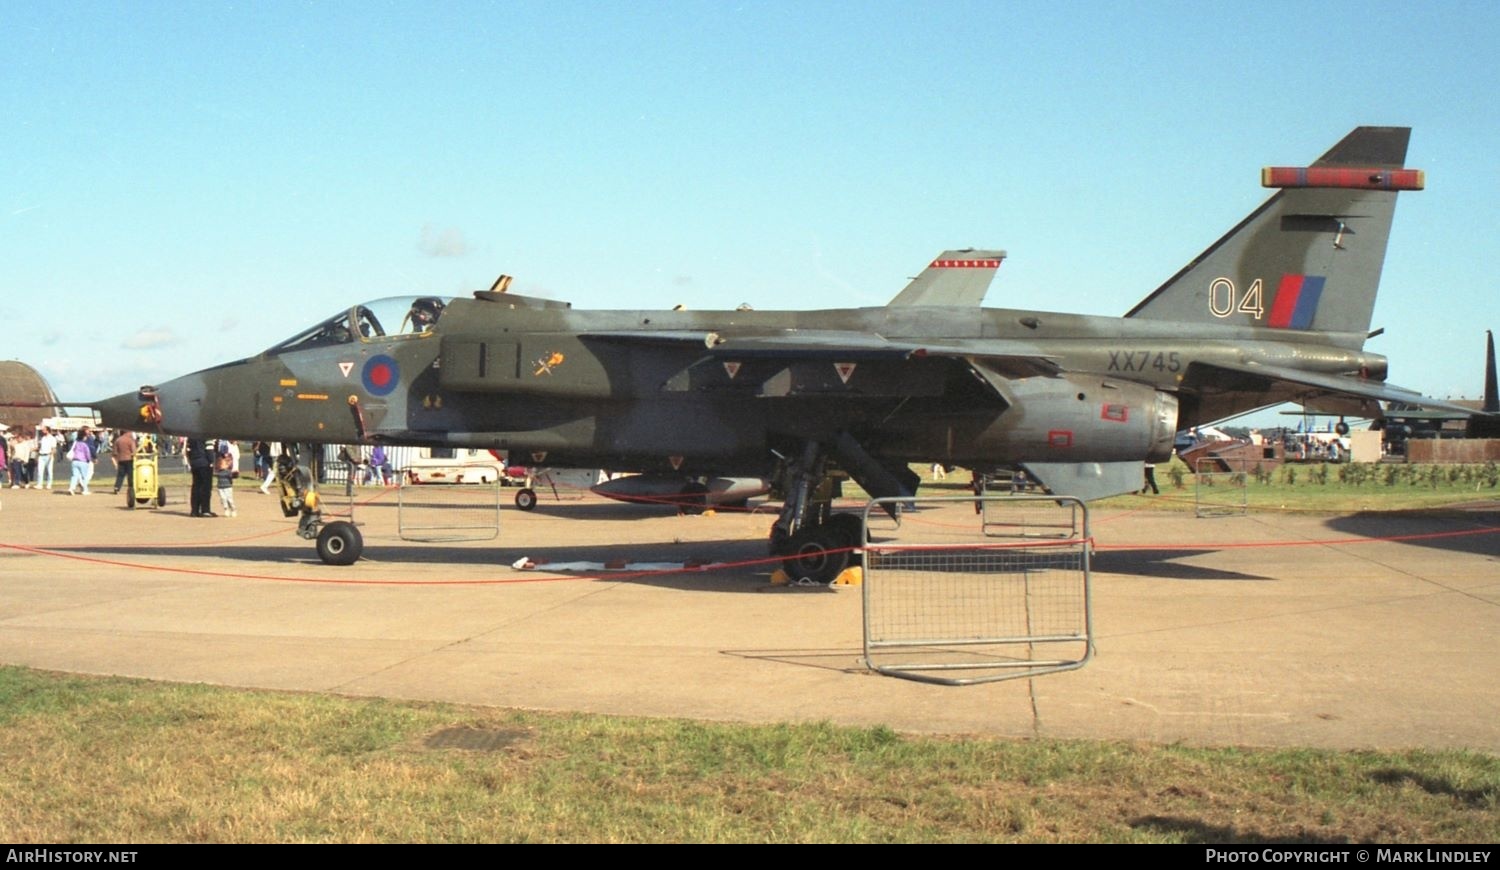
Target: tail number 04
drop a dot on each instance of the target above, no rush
(1222, 297)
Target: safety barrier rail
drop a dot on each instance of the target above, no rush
(941, 598)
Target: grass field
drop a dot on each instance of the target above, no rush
(125, 761)
(1342, 488)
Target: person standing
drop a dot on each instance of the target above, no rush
(233, 448)
(380, 466)
(264, 450)
(124, 449)
(46, 452)
(262, 453)
(1150, 482)
(82, 456)
(21, 448)
(200, 466)
(224, 480)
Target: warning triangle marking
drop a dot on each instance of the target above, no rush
(676, 462)
(346, 368)
(845, 370)
(732, 369)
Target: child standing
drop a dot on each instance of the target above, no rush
(224, 480)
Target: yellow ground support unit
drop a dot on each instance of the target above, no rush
(145, 477)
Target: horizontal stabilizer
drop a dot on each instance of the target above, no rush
(1318, 386)
(955, 278)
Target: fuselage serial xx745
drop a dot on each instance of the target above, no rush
(1277, 310)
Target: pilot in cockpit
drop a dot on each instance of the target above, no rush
(424, 312)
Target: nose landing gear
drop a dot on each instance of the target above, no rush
(338, 542)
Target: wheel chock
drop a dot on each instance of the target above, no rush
(854, 575)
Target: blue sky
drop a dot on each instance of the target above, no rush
(186, 183)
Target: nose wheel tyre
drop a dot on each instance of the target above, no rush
(526, 499)
(340, 543)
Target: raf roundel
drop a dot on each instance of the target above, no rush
(381, 375)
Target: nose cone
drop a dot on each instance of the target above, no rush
(174, 408)
(124, 412)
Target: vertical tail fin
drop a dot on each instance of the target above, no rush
(1309, 258)
(1491, 392)
(954, 278)
(1486, 424)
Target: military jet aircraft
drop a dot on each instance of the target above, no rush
(1485, 424)
(1277, 310)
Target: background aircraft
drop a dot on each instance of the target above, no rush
(1276, 310)
(1425, 423)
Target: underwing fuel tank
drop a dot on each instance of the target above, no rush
(667, 489)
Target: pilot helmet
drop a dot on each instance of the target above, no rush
(426, 309)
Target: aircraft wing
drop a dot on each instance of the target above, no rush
(1421, 414)
(1318, 386)
(799, 361)
(821, 344)
(803, 343)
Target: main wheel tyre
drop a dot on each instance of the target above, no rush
(780, 543)
(340, 543)
(161, 496)
(849, 529)
(526, 499)
(818, 554)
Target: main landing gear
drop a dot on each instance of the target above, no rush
(817, 544)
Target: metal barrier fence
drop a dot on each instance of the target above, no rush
(999, 521)
(1220, 493)
(432, 513)
(942, 597)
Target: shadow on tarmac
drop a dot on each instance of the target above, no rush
(1440, 523)
(1163, 565)
(294, 553)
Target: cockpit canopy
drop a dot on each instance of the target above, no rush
(383, 319)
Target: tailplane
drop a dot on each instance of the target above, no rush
(1309, 258)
